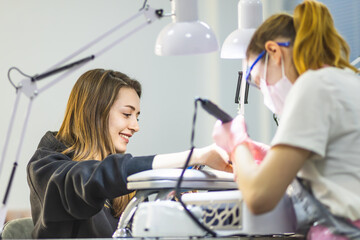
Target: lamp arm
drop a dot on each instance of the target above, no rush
(150, 16)
(28, 86)
(9, 130)
(3, 209)
(142, 11)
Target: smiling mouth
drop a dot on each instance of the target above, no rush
(125, 137)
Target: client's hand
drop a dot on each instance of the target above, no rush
(231, 134)
(212, 156)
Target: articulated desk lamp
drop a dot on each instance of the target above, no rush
(185, 35)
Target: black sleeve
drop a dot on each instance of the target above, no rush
(67, 189)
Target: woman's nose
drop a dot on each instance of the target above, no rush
(134, 124)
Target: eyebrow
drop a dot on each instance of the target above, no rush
(132, 107)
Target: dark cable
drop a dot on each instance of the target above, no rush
(247, 89)
(177, 189)
(238, 86)
(276, 119)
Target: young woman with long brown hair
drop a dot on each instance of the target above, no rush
(301, 65)
(77, 176)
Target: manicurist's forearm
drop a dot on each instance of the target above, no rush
(251, 183)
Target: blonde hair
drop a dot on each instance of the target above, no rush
(317, 41)
(85, 129)
(312, 34)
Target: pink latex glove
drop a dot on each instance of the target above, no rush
(258, 150)
(231, 134)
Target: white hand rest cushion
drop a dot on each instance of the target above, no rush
(193, 179)
(189, 175)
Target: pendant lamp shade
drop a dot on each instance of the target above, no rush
(186, 34)
(236, 43)
(249, 18)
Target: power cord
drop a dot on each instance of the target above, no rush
(178, 190)
(17, 69)
(276, 119)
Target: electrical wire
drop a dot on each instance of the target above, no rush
(178, 185)
(22, 73)
(276, 119)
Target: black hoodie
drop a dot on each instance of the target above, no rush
(70, 199)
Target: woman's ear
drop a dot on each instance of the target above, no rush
(274, 51)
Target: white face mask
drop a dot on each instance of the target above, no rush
(275, 95)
